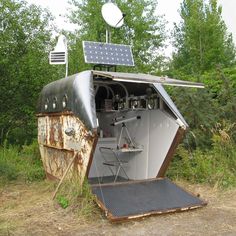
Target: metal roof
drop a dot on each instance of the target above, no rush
(75, 94)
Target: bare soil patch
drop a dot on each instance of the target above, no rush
(29, 210)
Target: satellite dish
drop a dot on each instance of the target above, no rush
(112, 15)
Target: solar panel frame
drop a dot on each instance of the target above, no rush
(107, 54)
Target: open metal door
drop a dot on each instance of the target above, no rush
(135, 199)
(146, 78)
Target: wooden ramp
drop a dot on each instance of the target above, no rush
(129, 200)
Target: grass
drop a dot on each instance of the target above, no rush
(20, 163)
(6, 227)
(77, 196)
(215, 166)
(24, 164)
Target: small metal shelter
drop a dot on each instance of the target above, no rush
(85, 112)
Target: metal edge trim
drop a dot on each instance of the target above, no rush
(126, 182)
(169, 156)
(91, 155)
(114, 219)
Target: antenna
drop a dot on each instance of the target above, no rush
(113, 17)
(60, 54)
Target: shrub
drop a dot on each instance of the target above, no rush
(215, 166)
(9, 166)
(20, 163)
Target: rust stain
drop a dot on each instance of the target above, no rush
(55, 131)
(57, 148)
(64, 113)
(80, 160)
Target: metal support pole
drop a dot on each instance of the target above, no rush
(66, 64)
(66, 56)
(108, 35)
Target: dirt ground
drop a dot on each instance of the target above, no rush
(29, 210)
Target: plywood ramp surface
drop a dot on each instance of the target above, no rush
(124, 201)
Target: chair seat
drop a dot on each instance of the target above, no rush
(114, 163)
(109, 153)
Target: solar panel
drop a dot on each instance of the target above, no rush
(107, 54)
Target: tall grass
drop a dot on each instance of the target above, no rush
(20, 163)
(24, 164)
(77, 196)
(215, 166)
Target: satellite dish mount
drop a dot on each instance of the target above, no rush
(108, 35)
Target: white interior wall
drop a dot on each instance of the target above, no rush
(155, 132)
(162, 131)
(97, 168)
(139, 131)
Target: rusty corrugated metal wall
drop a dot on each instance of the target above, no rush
(57, 148)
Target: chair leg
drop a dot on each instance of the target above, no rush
(125, 173)
(118, 165)
(100, 179)
(117, 173)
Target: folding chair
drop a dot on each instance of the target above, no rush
(114, 164)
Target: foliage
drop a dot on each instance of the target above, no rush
(25, 37)
(201, 39)
(62, 201)
(143, 30)
(203, 108)
(24, 164)
(216, 166)
(203, 50)
(8, 170)
(205, 53)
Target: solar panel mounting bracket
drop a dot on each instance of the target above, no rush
(102, 67)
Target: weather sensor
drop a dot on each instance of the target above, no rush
(60, 55)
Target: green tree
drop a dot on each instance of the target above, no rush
(143, 30)
(201, 39)
(203, 50)
(25, 37)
